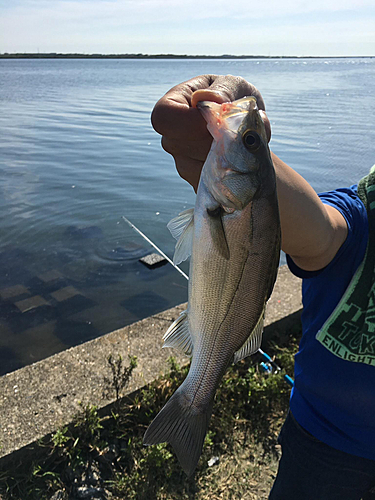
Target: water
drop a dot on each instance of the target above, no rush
(77, 151)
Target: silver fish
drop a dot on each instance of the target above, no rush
(233, 237)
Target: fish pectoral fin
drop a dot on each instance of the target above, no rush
(218, 236)
(181, 228)
(253, 342)
(178, 335)
(181, 425)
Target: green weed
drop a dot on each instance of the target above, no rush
(121, 375)
(248, 411)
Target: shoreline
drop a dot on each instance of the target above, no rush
(40, 398)
(55, 55)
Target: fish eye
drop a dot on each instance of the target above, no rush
(251, 140)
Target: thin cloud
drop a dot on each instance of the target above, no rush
(141, 11)
(171, 25)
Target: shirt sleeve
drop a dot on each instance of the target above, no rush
(348, 203)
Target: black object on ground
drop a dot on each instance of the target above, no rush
(153, 260)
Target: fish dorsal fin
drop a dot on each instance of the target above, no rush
(178, 335)
(253, 342)
(181, 228)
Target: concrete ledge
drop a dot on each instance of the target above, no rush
(38, 399)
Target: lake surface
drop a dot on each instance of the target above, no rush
(77, 152)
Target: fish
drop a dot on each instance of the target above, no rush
(232, 236)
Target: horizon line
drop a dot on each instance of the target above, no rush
(77, 55)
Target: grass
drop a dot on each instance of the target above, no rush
(106, 453)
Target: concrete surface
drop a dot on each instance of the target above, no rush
(38, 399)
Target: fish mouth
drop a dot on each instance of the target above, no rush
(227, 109)
(244, 105)
(227, 116)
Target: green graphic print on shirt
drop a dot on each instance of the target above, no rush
(349, 332)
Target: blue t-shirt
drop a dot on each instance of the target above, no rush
(334, 399)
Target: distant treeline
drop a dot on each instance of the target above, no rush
(55, 55)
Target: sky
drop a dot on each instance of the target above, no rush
(213, 27)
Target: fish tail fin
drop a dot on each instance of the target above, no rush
(183, 426)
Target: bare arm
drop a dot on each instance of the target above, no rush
(312, 232)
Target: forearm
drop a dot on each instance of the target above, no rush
(312, 232)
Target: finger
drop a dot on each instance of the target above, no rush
(181, 93)
(195, 150)
(177, 103)
(178, 121)
(227, 89)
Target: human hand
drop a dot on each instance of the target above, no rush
(183, 129)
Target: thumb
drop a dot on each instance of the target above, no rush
(227, 89)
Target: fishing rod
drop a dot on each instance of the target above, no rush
(269, 366)
(156, 248)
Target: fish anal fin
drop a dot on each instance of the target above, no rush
(182, 228)
(178, 335)
(253, 342)
(183, 426)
